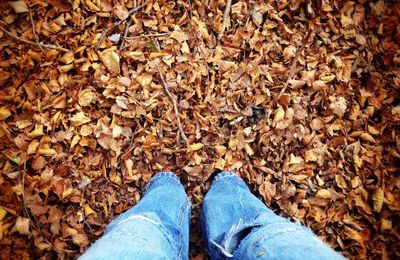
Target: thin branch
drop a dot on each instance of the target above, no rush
(128, 24)
(147, 35)
(105, 32)
(43, 45)
(293, 71)
(34, 30)
(173, 100)
(226, 17)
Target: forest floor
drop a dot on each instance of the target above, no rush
(300, 98)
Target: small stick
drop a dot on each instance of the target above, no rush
(293, 69)
(226, 16)
(105, 32)
(147, 35)
(128, 24)
(34, 31)
(44, 45)
(173, 100)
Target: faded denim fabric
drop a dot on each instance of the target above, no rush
(237, 225)
(156, 228)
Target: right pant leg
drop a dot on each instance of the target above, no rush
(237, 225)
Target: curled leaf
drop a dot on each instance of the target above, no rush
(377, 199)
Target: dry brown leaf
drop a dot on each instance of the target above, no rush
(324, 194)
(195, 147)
(110, 59)
(86, 97)
(22, 225)
(79, 119)
(377, 199)
(19, 6)
(145, 79)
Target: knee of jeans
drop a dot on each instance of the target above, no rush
(226, 244)
(224, 182)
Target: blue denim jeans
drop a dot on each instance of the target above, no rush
(235, 225)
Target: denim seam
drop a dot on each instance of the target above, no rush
(169, 175)
(223, 175)
(183, 210)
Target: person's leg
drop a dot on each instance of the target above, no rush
(156, 228)
(237, 225)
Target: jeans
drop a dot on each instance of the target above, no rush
(235, 225)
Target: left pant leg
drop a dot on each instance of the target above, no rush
(156, 228)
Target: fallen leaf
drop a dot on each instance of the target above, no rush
(19, 6)
(144, 79)
(324, 194)
(22, 225)
(195, 147)
(88, 210)
(377, 199)
(110, 59)
(79, 119)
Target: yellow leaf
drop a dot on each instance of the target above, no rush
(3, 213)
(279, 115)
(197, 158)
(43, 246)
(179, 36)
(88, 210)
(220, 164)
(367, 137)
(19, 6)
(195, 147)
(79, 119)
(220, 150)
(185, 48)
(37, 132)
(110, 59)
(32, 147)
(145, 79)
(18, 189)
(74, 141)
(248, 149)
(372, 130)
(377, 199)
(386, 224)
(85, 97)
(68, 57)
(4, 113)
(295, 159)
(324, 194)
(66, 193)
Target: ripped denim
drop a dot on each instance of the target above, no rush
(235, 225)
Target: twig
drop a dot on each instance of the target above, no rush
(105, 32)
(34, 31)
(147, 35)
(293, 71)
(173, 100)
(226, 16)
(43, 45)
(128, 24)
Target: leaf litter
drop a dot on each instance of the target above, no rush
(300, 97)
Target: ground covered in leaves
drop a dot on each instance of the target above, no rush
(301, 98)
